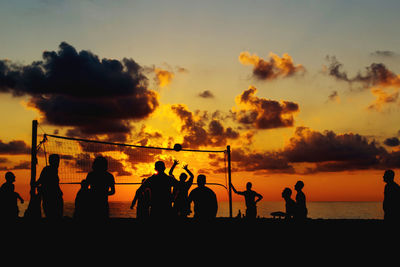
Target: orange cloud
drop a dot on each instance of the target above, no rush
(163, 77)
(382, 98)
(274, 68)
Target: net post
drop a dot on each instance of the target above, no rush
(228, 151)
(33, 153)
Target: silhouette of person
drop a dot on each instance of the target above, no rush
(290, 204)
(102, 185)
(205, 200)
(83, 202)
(160, 185)
(34, 210)
(142, 197)
(250, 200)
(391, 201)
(9, 198)
(301, 208)
(52, 196)
(181, 191)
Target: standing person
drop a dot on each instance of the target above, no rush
(160, 185)
(102, 185)
(290, 204)
(52, 196)
(205, 200)
(9, 198)
(301, 208)
(142, 197)
(391, 201)
(250, 199)
(181, 191)
(83, 202)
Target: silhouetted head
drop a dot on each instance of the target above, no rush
(388, 176)
(84, 184)
(183, 177)
(249, 185)
(54, 160)
(299, 185)
(10, 177)
(100, 164)
(286, 193)
(159, 166)
(201, 180)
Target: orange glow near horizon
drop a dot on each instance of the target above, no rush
(364, 185)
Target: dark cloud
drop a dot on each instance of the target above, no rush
(384, 54)
(313, 146)
(16, 147)
(260, 161)
(334, 96)
(311, 151)
(394, 141)
(206, 94)
(274, 68)
(262, 113)
(203, 131)
(377, 74)
(78, 89)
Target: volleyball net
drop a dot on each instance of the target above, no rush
(129, 163)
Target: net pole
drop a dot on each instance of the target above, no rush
(228, 151)
(33, 153)
(31, 210)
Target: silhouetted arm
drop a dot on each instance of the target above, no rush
(111, 190)
(191, 176)
(171, 171)
(233, 188)
(259, 197)
(134, 199)
(235, 191)
(19, 197)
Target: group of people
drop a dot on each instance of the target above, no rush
(160, 196)
(295, 209)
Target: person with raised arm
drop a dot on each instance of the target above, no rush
(181, 191)
(251, 198)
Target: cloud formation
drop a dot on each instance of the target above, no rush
(384, 54)
(80, 90)
(275, 67)
(393, 141)
(383, 83)
(262, 113)
(206, 94)
(16, 147)
(202, 130)
(310, 151)
(163, 77)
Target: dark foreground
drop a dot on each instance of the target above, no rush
(223, 241)
(275, 229)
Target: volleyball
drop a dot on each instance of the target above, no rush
(177, 147)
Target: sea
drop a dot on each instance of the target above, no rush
(316, 210)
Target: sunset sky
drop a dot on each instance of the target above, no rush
(301, 90)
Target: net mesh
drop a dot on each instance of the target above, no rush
(128, 163)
